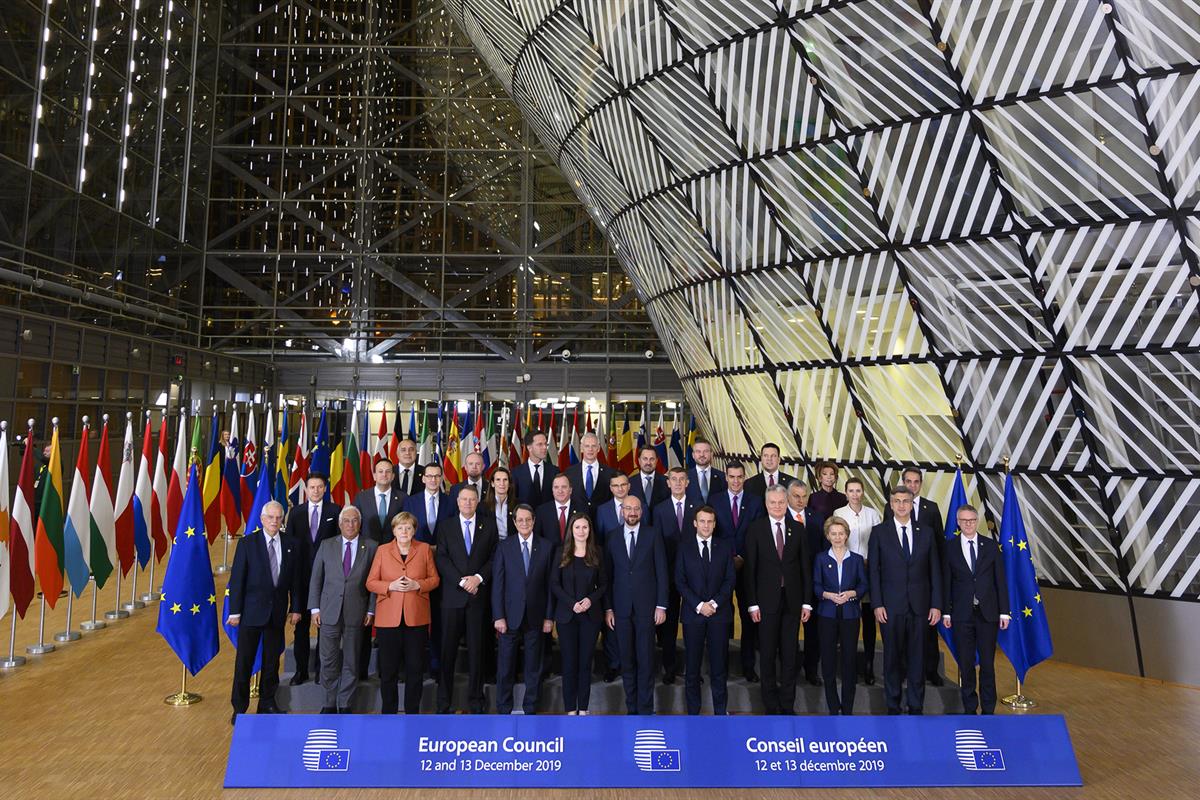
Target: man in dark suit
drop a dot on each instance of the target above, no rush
(769, 474)
(430, 499)
(779, 591)
(534, 478)
(906, 594)
(675, 517)
(473, 467)
(610, 515)
(589, 478)
(736, 510)
(976, 592)
(636, 601)
(380, 503)
(704, 479)
(551, 518)
(813, 525)
(407, 470)
(928, 517)
(264, 593)
(647, 477)
(521, 610)
(704, 577)
(466, 544)
(309, 525)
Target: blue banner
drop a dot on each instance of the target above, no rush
(317, 751)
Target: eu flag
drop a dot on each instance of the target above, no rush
(958, 498)
(262, 496)
(187, 615)
(1026, 642)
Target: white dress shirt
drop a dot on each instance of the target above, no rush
(502, 518)
(860, 524)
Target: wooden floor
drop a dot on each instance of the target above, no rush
(88, 720)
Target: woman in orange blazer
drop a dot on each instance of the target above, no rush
(402, 576)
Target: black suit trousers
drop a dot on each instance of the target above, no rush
(635, 639)
(456, 622)
(577, 641)
(249, 638)
(700, 636)
(812, 645)
(976, 635)
(402, 647)
(529, 636)
(839, 658)
(667, 634)
(904, 658)
(749, 629)
(778, 635)
(304, 649)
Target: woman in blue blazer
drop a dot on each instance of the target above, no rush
(840, 581)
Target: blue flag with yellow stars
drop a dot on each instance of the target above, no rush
(253, 525)
(1026, 642)
(187, 615)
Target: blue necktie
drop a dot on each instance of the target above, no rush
(904, 540)
(525, 554)
(431, 516)
(383, 504)
(467, 536)
(588, 483)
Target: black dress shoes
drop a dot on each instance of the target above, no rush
(329, 710)
(610, 675)
(669, 678)
(751, 675)
(815, 680)
(298, 678)
(233, 719)
(936, 680)
(869, 679)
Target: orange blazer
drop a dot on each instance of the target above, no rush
(393, 609)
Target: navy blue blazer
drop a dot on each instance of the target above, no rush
(517, 596)
(988, 584)
(251, 593)
(751, 508)
(716, 483)
(526, 492)
(903, 585)
(607, 520)
(825, 579)
(600, 491)
(659, 491)
(698, 584)
(545, 520)
(415, 505)
(638, 586)
(814, 529)
(664, 514)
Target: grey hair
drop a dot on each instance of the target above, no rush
(778, 488)
(796, 482)
(271, 504)
(349, 510)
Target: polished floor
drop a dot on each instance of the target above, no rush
(88, 720)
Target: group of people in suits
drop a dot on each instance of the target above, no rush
(590, 553)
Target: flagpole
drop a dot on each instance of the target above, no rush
(92, 624)
(183, 697)
(1018, 701)
(254, 681)
(42, 647)
(150, 596)
(68, 635)
(13, 661)
(134, 603)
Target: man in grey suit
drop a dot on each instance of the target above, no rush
(342, 607)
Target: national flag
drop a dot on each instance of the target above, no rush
(660, 444)
(1026, 641)
(336, 487)
(143, 502)
(481, 431)
(381, 438)
(187, 615)
(491, 444)
(397, 435)
(77, 530)
(691, 440)
(466, 434)
(564, 445)
(266, 467)
(625, 458)
(551, 444)
(516, 443)
(5, 523)
(640, 437)
(231, 481)
(49, 543)
(299, 474)
(124, 548)
(425, 454)
(158, 494)
(178, 474)
(212, 480)
(450, 461)
(249, 473)
(100, 552)
(320, 460)
(280, 490)
(438, 438)
(20, 540)
(262, 496)
(675, 451)
(365, 464)
(352, 474)
(575, 451)
(610, 441)
(958, 497)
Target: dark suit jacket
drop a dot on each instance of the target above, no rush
(664, 513)
(456, 488)
(814, 530)
(526, 492)
(607, 519)
(988, 584)
(569, 586)
(825, 579)
(904, 585)
(517, 597)
(414, 480)
(751, 506)
(600, 492)
(764, 569)
(453, 563)
(758, 484)
(415, 505)
(659, 491)
(251, 593)
(545, 519)
(716, 483)
(698, 584)
(641, 585)
(372, 527)
(298, 528)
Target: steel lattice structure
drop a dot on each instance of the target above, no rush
(885, 233)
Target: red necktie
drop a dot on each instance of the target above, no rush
(562, 523)
(771, 481)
